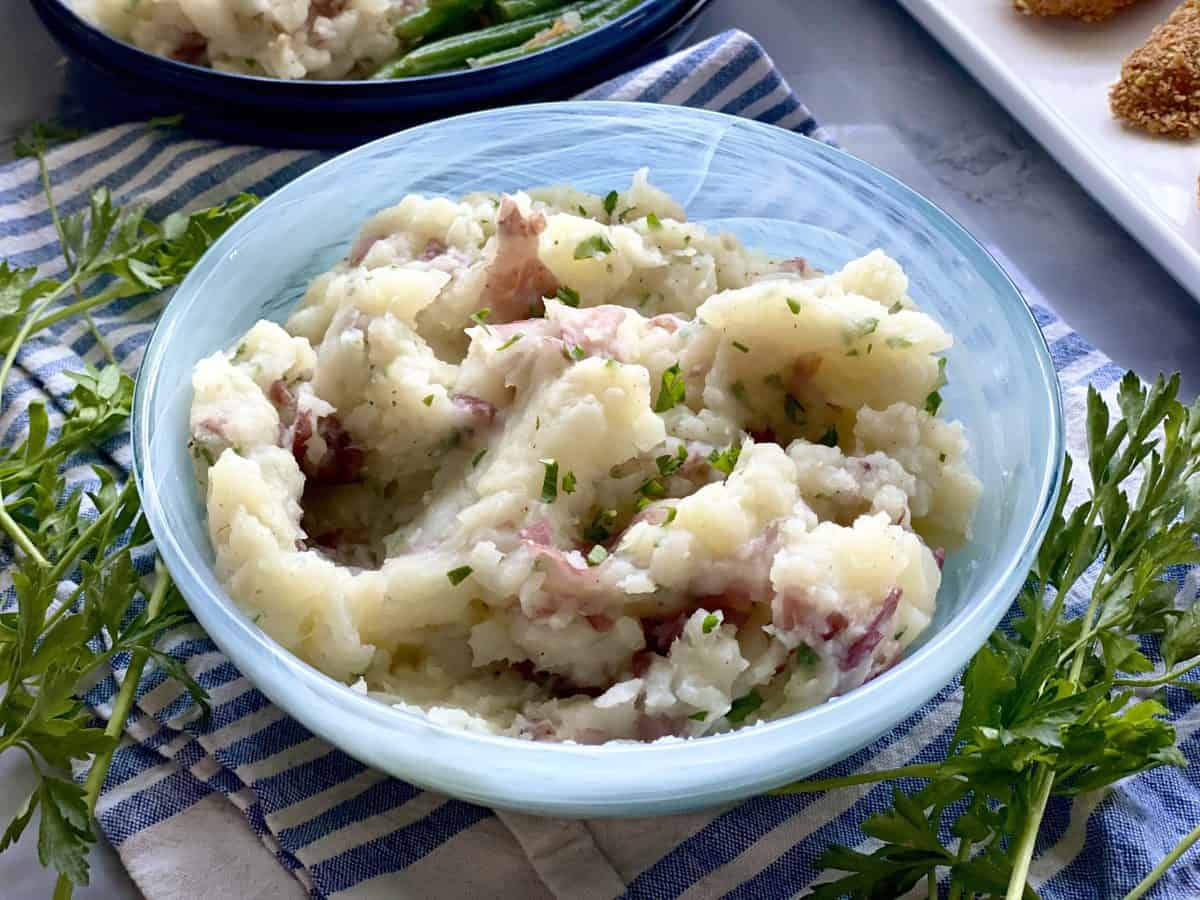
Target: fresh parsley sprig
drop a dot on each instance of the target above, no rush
(75, 578)
(1051, 705)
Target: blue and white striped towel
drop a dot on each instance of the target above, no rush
(251, 805)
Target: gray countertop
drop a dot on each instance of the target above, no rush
(888, 93)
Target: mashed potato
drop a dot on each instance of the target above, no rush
(280, 38)
(566, 467)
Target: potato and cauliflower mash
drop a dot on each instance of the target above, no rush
(568, 467)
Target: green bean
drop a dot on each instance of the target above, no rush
(435, 16)
(509, 10)
(454, 51)
(615, 8)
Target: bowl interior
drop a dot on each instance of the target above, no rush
(774, 189)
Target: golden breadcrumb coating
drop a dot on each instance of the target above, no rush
(1088, 10)
(1159, 90)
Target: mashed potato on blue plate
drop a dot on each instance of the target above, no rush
(568, 467)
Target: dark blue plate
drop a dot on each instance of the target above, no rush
(116, 81)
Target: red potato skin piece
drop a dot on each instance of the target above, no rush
(517, 281)
(344, 459)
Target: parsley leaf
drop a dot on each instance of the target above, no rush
(600, 528)
(610, 202)
(933, 402)
(567, 296)
(672, 391)
(596, 245)
(652, 222)
(744, 706)
(725, 460)
(549, 480)
(459, 575)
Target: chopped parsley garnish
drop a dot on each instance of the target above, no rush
(794, 306)
(853, 352)
(672, 392)
(744, 706)
(549, 480)
(652, 222)
(578, 353)
(711, 621)
(725, 460)
(459, 575)
(567, 296)
(478, 457)
(934, 401)
(479, 317)
(597, 555)
(610, 202)
(861, 329)
(202, 452)
(652, 489)
(512, 340)
(739, 391)
(793, 410)
(589, 248)
(427, 400)
(941, 457)
(775, 380)
(699, 716)
(583, 212)
(806, 655)
(829, 438)
(671, 513)
(899, 634)
(738, 345)
(568, 484)
(895, 308)
(668, 464)
(600, 528)
(898, 343)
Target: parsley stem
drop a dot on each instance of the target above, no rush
(1165, 678)
(66, 251)
(922, 770)
(122, 706)
(20, 538)
(1043, 781)
(109, 294)
(85, 538)
(1167, 861)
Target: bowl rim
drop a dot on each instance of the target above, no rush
(930, 668)
(432, 80)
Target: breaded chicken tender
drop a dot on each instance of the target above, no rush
(1159, 90)
(1087, 10)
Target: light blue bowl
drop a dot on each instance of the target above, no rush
(773, 188)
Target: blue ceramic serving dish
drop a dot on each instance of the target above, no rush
(775, 189)
(114, 80)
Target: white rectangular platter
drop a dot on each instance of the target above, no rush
(1053, 75)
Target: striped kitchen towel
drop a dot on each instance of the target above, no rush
(250, 804)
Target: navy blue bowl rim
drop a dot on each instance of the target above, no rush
(656, 10)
